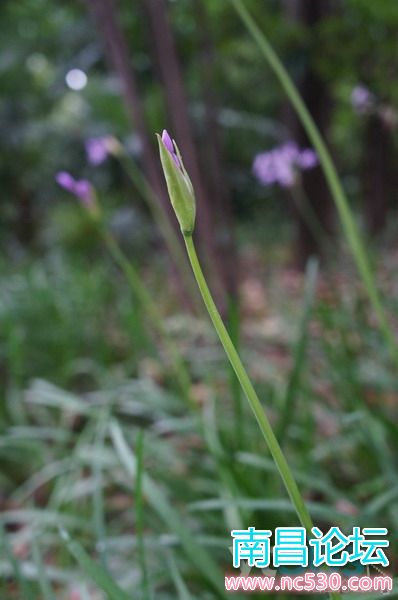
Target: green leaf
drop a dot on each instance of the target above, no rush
(94, 571)
(156, 498)
(44, 583)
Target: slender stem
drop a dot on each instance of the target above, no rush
(234, 329)
(251, 395)
(139, 515)
(98, 495)
(299, 353)
(349, 226)
(145, 299)
(249, 390)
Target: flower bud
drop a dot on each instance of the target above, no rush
(81, 189)
(179, 185)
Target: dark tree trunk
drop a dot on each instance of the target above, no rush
(177, 104)
(25, 227)
(377, 175)
(118, 56)
(316, 96)
(117, 52)
(216, 177)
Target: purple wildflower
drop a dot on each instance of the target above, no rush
(168, 142)
(281, 164)
(97, 150)
(82, 189)
(362, 99)
(66, 181)
(307, 159)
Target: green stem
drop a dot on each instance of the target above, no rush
(251, 395)
(145, 299)
(234, 329)
(349, 226)
(139, 515)
(299, 354)
(249, 391)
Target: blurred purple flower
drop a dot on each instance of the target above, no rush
(66, 181)
(168, 142)
(97, 150)
(281, 164)
(307, 159)
(361, 99)
(82, 189)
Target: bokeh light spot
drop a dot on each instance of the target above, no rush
(76, 79)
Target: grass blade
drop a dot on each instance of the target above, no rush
(182, 590)
(98, 495)
(299, 354)
(44, 583)
(26, 592)
(139, 515)
(94, 571)
(196, 553)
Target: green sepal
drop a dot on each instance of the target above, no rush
(180, 189)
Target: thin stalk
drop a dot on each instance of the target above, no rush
(234, 328)
(145, 299)
(91, 569)
(350, 228)
(23, 586)
(99, 524)
(251, 395)
(139, 516)
(43, 579)
(299, 354)
(249, 390)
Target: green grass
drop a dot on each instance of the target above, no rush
(152, 520)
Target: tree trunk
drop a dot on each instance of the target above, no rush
(216, 177)
(117, 51)
(315, 94)
(177, 104)
(117, 54)
(25, 226)
(379, 149)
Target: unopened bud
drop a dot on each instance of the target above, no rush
(179, 185)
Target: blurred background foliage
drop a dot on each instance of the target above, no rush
(78, 350)
(44, 123)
